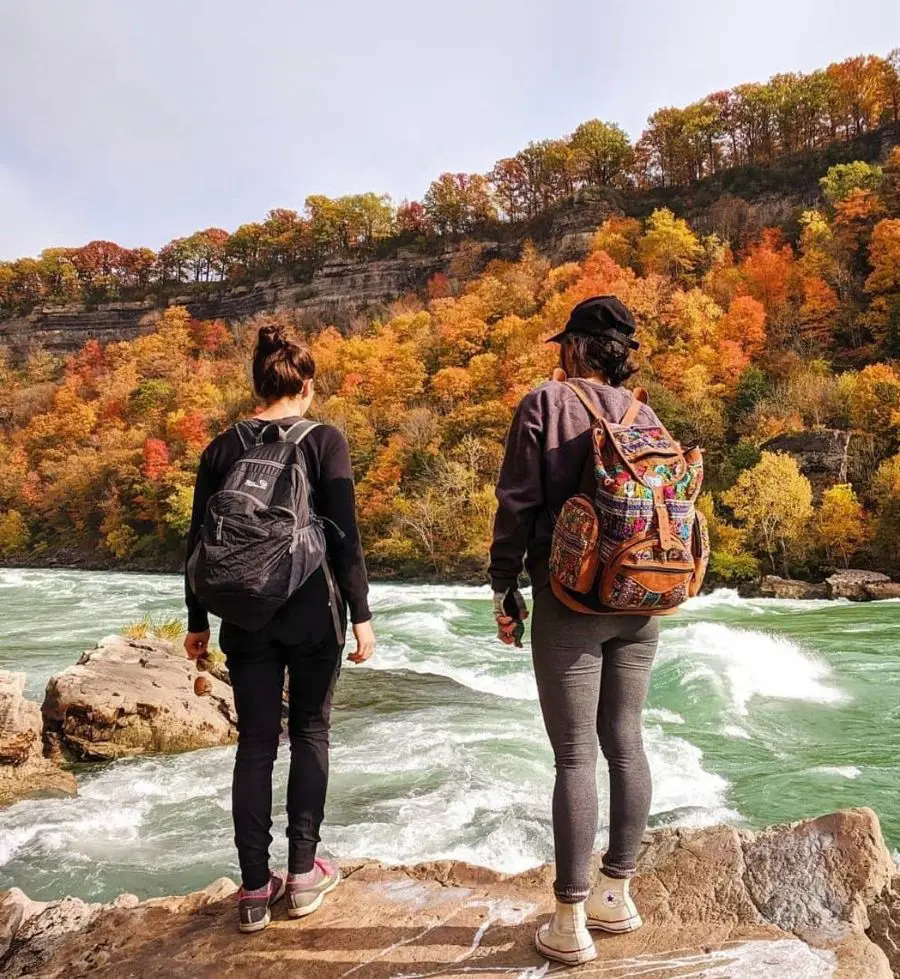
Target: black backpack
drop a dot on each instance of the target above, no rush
(261, 539)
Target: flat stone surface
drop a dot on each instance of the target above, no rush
(786, 903)
(854, 584)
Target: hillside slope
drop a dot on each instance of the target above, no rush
(735, 204)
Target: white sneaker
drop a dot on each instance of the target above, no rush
(611, 908)
(565, 938)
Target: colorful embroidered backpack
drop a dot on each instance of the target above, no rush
(633, 542)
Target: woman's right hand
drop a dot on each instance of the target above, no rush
(196, 644)
(365, 642)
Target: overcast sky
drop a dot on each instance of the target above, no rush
(142, 122)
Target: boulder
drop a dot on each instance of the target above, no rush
(24, 771)
(804, 901)
(130, 697)
(880, 590)
(854, 584)
(772, 586)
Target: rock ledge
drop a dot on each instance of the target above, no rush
(806, 901)
(24, 771)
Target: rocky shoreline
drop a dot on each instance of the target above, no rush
(810, 900)
(853, 585)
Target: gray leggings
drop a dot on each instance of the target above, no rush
(592, 676)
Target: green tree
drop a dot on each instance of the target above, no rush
(844, 177)
(459, 202)
(603, 153)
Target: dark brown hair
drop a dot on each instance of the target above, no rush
(599, 354)
(280, 366)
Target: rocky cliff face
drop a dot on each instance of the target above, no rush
(337, 292)
(813, 900)
(828, 456)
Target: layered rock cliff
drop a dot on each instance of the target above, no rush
(812, 900)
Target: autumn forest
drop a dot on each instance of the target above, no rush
(745, 337)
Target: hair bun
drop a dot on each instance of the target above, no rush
(272, 338)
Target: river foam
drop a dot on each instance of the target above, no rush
(743, 664)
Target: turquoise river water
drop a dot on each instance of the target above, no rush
(759, 711)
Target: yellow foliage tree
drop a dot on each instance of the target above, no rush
(14, 534)
(841, 524)
(669, 247)
(886, 493)
(773, 500)
(875, 401)
(619, 238)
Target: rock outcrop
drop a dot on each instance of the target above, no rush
(772, 586)
(344, 286)
(807, 901)
(24, 771)
(881, 590)
(828, 456)
(129, 697)
(856, 585)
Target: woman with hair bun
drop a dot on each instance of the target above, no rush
(304, 637)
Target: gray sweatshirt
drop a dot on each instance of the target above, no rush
(544, 463)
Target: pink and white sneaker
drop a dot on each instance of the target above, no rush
(254, 907)
(306, 892)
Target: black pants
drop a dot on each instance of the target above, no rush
(257, 669)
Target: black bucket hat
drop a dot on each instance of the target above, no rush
(600, 316)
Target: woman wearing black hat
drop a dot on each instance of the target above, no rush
(592, 672)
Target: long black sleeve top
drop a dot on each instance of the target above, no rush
(331, 479)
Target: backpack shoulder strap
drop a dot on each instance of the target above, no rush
(585, 400)
(243, 431)
(299, 430)
(638, 400)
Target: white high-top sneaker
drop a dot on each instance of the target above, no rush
(565, 938)
(611, 908)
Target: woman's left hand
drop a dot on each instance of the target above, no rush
(365, 642)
